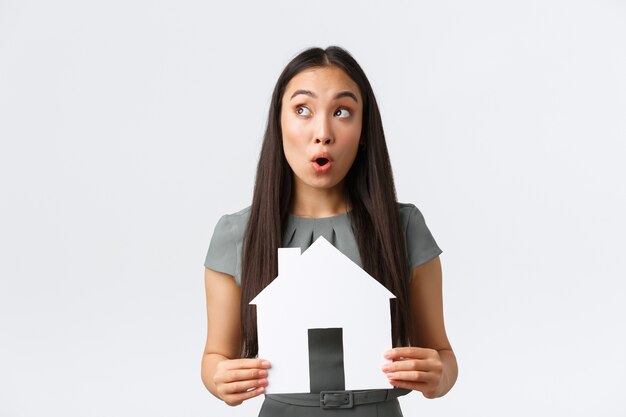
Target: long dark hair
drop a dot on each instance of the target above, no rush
(369, 189)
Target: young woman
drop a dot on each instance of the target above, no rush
(324, 170)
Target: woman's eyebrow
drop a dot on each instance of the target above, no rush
(346, 94)
(337, 96)
(305, 92)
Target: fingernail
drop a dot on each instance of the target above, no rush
(260, 389)
(390, 375)
(262, 373)
(265, 364)
(385, 368)
(262, 382)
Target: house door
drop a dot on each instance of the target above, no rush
(326, 371)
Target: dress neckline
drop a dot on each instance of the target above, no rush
(334, 217)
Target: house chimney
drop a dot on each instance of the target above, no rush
(287, 259)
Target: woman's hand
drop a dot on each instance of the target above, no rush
(415, 368)
(238, 380)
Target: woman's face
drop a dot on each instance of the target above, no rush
(321, 118)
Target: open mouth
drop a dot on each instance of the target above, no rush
(321, 161)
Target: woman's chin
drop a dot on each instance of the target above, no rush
(320, 183)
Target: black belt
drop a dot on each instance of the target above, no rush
(339, 399)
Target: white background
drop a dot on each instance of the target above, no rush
(128, 127)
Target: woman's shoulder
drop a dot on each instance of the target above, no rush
(421, 245)
(224, 254)
(407, 210)
(406, 206)
(410, 215)
(232, 226)
(235, 220)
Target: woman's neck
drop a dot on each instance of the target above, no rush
(318, 202)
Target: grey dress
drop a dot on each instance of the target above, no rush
(224, 255)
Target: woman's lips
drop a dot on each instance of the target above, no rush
(321, 162)
(319, 168)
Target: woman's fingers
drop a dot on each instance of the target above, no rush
(237, 380)
(410, 353)
(244, 364)
(242, 375)
(412, 376)
(243, 386)
(240, 370)
(236, 399)
(234, 393)
(414, 368)
(432, 364)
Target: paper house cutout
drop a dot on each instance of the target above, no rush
(315, 294)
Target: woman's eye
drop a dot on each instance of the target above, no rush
(303, 111)
(343, 113)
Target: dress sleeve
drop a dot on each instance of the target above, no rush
(420, 243)
(222, 253)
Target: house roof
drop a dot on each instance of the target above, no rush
(320, 271)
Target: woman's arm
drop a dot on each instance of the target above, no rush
(229, 379)
(430, 366)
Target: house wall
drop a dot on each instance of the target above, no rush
(365, 342)
(367, 334)
(287, 353)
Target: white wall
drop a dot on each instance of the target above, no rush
(128, 127)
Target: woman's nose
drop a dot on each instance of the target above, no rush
(326, 141)
(323, 133)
